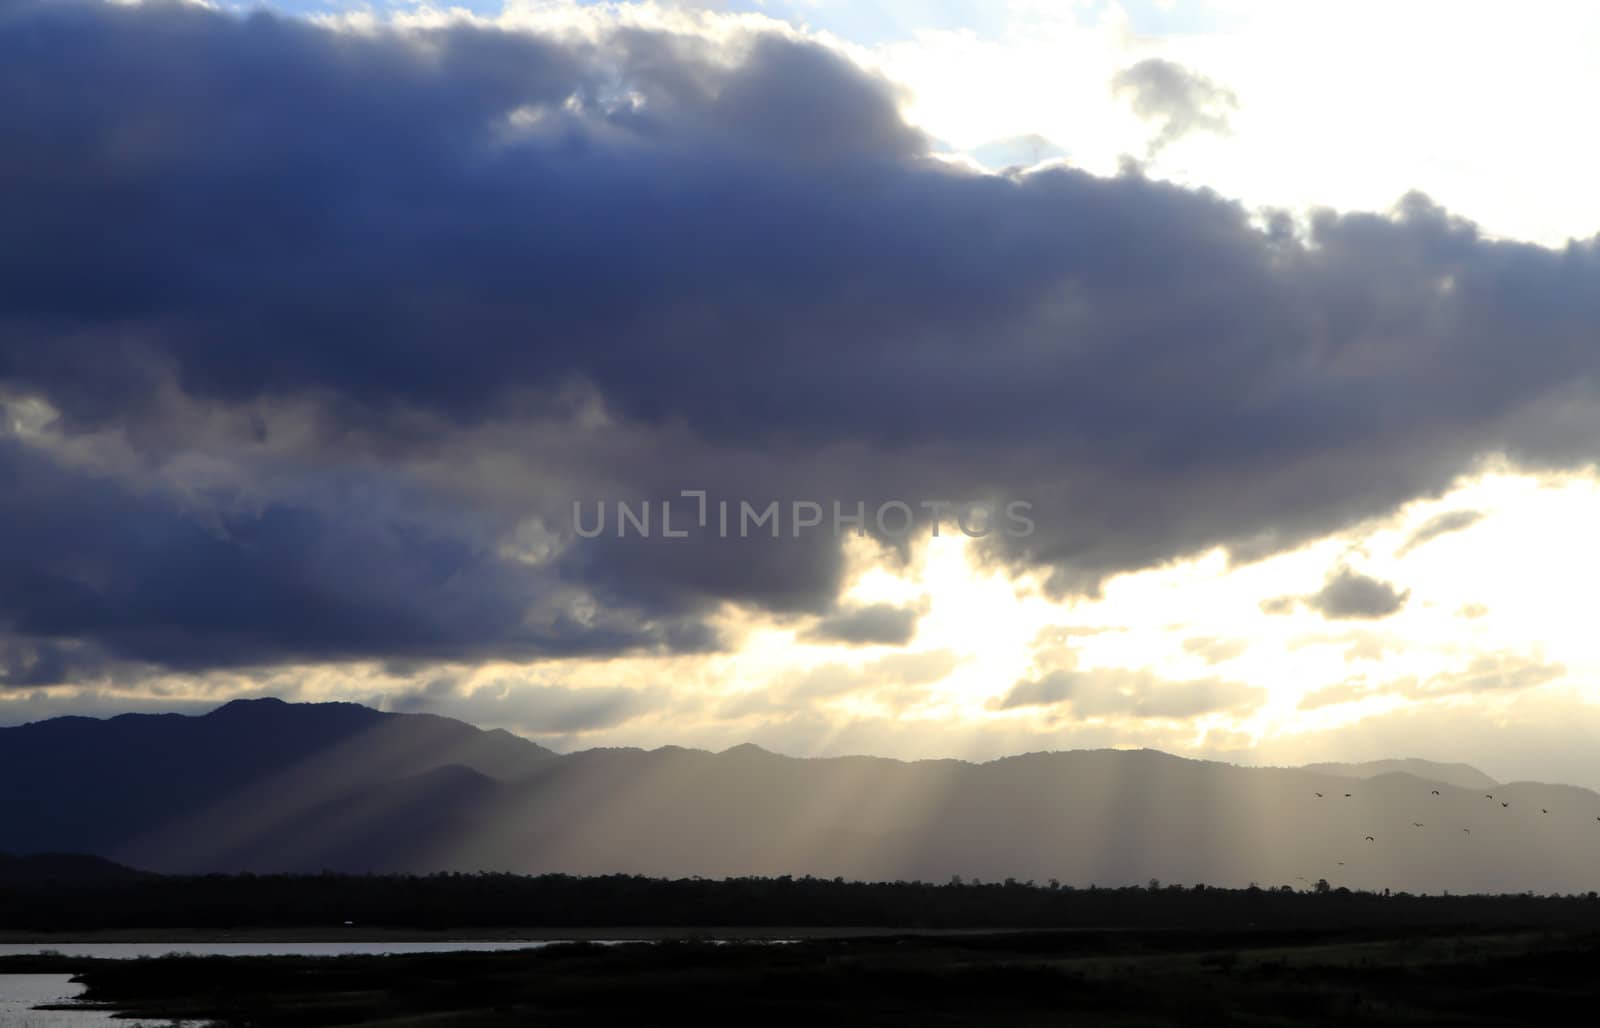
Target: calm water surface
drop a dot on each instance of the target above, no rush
(20, 993)
(128, 950)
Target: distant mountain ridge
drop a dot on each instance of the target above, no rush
(74, 869)
(268, 786)
(77, 784)
(1464, 776)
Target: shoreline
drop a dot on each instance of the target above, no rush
(356, 934)
(1131, 977)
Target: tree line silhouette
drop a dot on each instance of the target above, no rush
(491, 900)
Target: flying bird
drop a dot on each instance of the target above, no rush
(1346, 795)
(1371, 839)
(1467, 830)
(1543, 811)
(1436, 792)
(1416, 824)
(1505, 804)
(1488, 795)
(1319, 795)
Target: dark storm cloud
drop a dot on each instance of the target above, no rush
(428, 242)
(787, 575)
(1441, 524)
(1350, 594)
(1180, 101)
(29, 663)
(367, 213)
(368, 571)
(877, 624)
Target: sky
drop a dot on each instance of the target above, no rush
(326, 330)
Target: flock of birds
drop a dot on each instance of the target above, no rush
(1419, 824)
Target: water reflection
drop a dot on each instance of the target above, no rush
(129, 950)
(20, 993)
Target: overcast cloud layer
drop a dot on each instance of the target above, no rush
(310, 339)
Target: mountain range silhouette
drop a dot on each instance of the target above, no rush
(263, 785)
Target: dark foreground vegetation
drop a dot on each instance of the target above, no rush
(1152, 955)
(1079, 978)
(466, 902)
